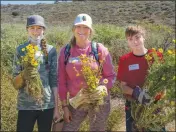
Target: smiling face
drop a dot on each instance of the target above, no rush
(35, 31)
(136, 41)
(81, 33)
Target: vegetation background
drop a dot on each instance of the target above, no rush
(110, 19)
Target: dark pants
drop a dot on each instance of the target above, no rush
(27, 119)
(129, 120)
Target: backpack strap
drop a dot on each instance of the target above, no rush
(94, 48)
(67, 53)
(94, 51)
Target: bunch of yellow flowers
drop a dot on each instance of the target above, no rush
(92, 76)
(32, 60)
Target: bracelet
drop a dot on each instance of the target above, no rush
(63, 106)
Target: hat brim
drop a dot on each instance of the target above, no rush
(37, 25)
(83, 23)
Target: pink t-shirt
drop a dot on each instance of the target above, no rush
(67, 79)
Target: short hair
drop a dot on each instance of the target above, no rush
(133, 30)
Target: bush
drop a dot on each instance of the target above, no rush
(108, 34)
(112, 36)
(15, 13)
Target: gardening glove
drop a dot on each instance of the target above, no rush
(80, 98)
(141, 96)
(100, 92)
(18, 81)
(29, 72)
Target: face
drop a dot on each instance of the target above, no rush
(81, 32)
(35, 31)
(136, 41)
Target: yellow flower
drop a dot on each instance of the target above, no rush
(29, 46)
(31, 50)
(169, 52)
(23, 49)
(34, 63)
(31, 55)
(36, 48)
(105, 81)
(160, 50)
(148, 57)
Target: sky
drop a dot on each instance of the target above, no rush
(26, 2)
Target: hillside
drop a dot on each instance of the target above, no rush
(59, 17)
(119, 13)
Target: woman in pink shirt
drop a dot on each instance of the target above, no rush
(68, 82)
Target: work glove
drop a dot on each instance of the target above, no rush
(80, 98)
(29, 73)
(86, 97)
(100, 92)
(141, 96)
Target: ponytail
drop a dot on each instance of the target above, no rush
(73, 41)
(44, 49)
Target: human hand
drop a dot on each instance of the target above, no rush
(18, 81)
(67, 114)
(56, 115)
(29, 72)
(81, 97)
(100, 92)
(141, 95)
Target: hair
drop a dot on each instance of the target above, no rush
(133, 30)
(73, 39)
(44, 49)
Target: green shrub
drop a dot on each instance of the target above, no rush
(112, 36)
(58, 36)
(15, 13)
(108, 34)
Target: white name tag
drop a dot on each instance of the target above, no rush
(73, 59)
(133, 67)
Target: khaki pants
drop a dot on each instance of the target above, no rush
(97, 119)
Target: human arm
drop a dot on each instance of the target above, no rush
(62, 89)
(53, 81)
(135, 92)
(17, 80)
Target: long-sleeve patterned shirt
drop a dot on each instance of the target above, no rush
(48, 76)
(69, 82)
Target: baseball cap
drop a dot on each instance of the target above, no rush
(83, 19)
(35, 20)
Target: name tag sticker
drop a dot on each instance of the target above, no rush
(133, 67)
(73, 59)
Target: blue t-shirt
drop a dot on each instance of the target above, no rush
(48, 76)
